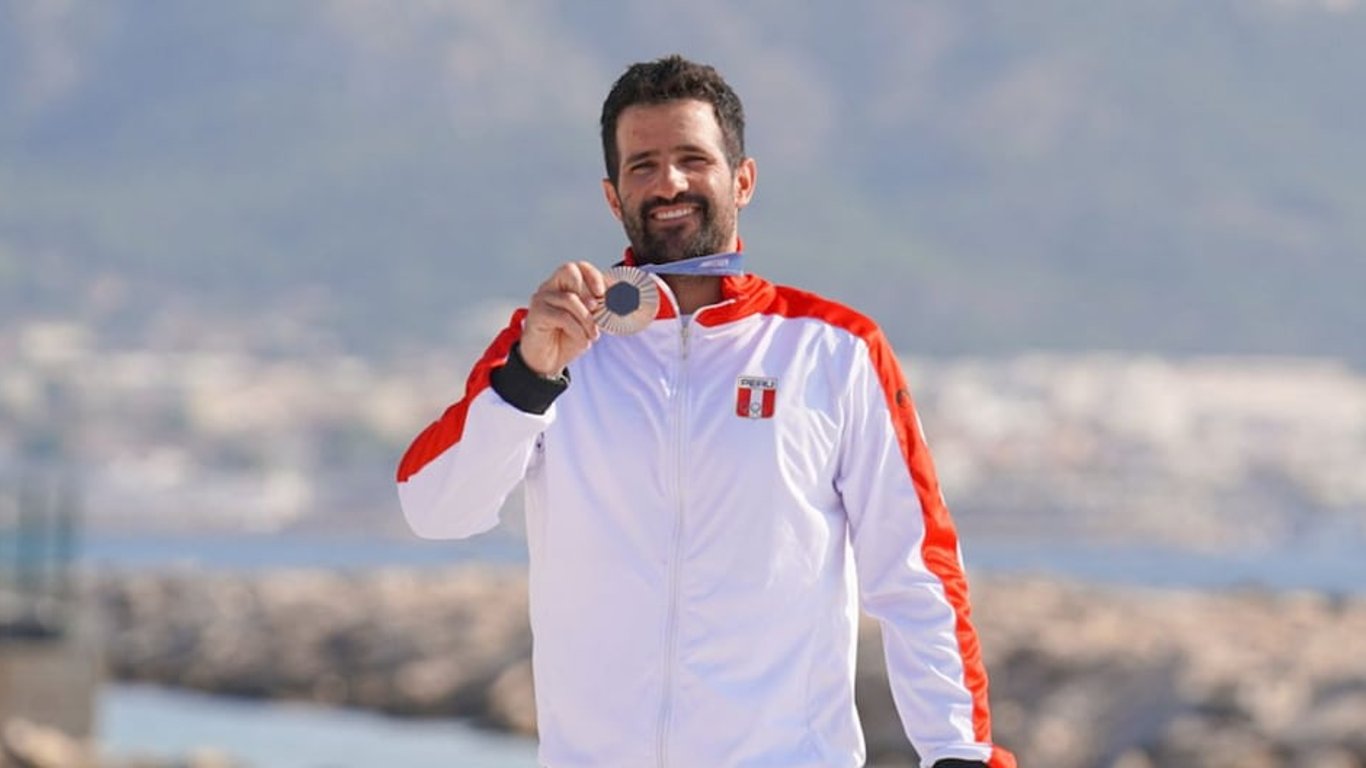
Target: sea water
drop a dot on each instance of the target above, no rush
(1330, 563)
(139, 720)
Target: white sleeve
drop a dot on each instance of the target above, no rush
(909, 569)
(454, 477)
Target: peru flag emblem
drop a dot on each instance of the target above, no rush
(755, 397)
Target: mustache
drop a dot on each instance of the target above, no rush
(647, 207)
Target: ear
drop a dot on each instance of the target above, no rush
(746, 174)
(613, 200)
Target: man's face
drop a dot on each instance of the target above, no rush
(676, 194)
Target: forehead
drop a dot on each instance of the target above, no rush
(659, 127)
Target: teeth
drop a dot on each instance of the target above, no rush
(677, 213)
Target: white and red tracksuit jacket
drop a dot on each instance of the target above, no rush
(708, 504)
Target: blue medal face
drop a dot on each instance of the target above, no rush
(631, 301)
(622, 298)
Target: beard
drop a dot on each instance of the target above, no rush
(673, 243)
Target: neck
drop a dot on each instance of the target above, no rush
(693, 292)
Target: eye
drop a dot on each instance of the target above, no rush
(640, 168)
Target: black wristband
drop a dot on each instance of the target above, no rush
(523, 388)
(958, 762)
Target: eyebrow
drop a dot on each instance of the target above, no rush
(639, 156)
(654, 152)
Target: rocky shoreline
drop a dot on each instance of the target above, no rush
(25, 744)
(1082, 676)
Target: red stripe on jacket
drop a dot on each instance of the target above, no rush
(940, 548)
(446, 431)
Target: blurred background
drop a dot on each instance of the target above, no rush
(249, 249)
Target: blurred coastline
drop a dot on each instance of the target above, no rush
(1332, 567)
(1215, 455)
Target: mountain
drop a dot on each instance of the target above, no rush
(1180, 176)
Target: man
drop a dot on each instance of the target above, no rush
(711, 499)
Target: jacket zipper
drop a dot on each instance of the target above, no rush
(671, 621)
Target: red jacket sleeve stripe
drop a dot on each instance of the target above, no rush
(445, 432)
(940, 548)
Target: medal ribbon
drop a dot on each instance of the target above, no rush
(711, 265)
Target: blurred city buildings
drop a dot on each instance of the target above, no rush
(1206, 454)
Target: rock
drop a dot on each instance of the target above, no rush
(1081, 676)
(512, 701)
(208, 758)
(24, 744)
(29, 745)
(1087, 676)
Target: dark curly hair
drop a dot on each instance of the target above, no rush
(670, 79)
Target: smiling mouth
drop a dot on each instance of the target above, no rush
(672, 213)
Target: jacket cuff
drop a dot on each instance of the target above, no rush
(523, 388)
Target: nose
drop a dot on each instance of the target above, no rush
(672, 181)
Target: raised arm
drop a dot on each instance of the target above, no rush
(455, 476)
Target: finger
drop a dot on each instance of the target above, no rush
(568, 277)
(566, 310)
(581, 278)
(593, 279)
(574, 307)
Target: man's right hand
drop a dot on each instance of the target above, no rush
(559, 324)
